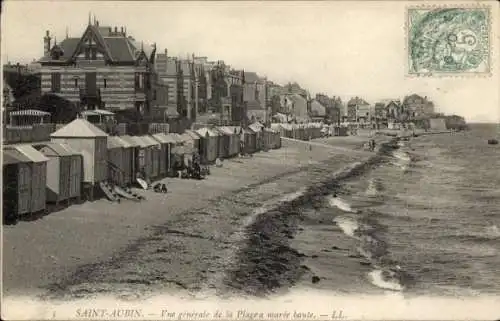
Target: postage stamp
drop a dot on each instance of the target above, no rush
(448, 41)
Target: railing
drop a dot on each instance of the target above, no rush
(27, 134)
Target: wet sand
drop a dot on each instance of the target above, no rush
(201, 237)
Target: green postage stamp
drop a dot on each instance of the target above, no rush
(448, 40)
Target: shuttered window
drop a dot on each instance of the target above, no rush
(56, 82)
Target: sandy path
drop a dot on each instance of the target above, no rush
(176, 241)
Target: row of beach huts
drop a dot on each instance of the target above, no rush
(81, 159)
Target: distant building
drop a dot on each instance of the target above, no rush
(296, 105)
(170, 73)
(359, 111)
(295, 89)
(103, 68)
(318, 110)
(417, 106)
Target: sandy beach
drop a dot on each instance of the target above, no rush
(186, 240)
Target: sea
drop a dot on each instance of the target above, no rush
(426, 217)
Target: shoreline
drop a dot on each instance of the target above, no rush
(41, 252)
(249, 183)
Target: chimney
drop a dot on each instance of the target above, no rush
(46, 43)
(166, 52)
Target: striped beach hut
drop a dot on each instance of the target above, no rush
(34, 177)
(64, 171)
(92, 143)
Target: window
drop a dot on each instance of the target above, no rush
(56, 82)
(94, 54)
(87, 53)
(105, 83)
(76, 82)
(256, 94)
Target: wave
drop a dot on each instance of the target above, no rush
(490, 233)
(348, 225)
(374, 187)
(385, 280)
(401, 156)
(335, 201)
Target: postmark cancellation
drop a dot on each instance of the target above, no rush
(448, 40)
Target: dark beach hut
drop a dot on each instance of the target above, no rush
(250, 140)
(224, 142)
(234, 138)
(116, 160)
(135, 162)
(210, 144)
(257, 128)
(166, 144)
(64, 171)
(33, 166)
(16, 184)
(155, 148)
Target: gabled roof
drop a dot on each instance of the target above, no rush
(114, 142)
(118, 48)
(192, 133)
(149, 141)
(296, 98)
(32, 154)
(203, 132)
(130, 140)
(79, 128)
(357, 101)
(12, 156)
(164, 139)
(54, 149)
(256, 127)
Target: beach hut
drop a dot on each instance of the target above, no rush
(134, 151)
(189, 147)
(166, 144)
(34, 180)
(258, 128)
(64, 173)
(249, 141)
(92, 143)
(143, 156)
(224, 145)
(177, 151)
(196, 140)
(209, 138)
(116, 159)
(155, 148)
(233, 132)
(16, 184)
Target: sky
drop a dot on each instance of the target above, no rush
(341, 48)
